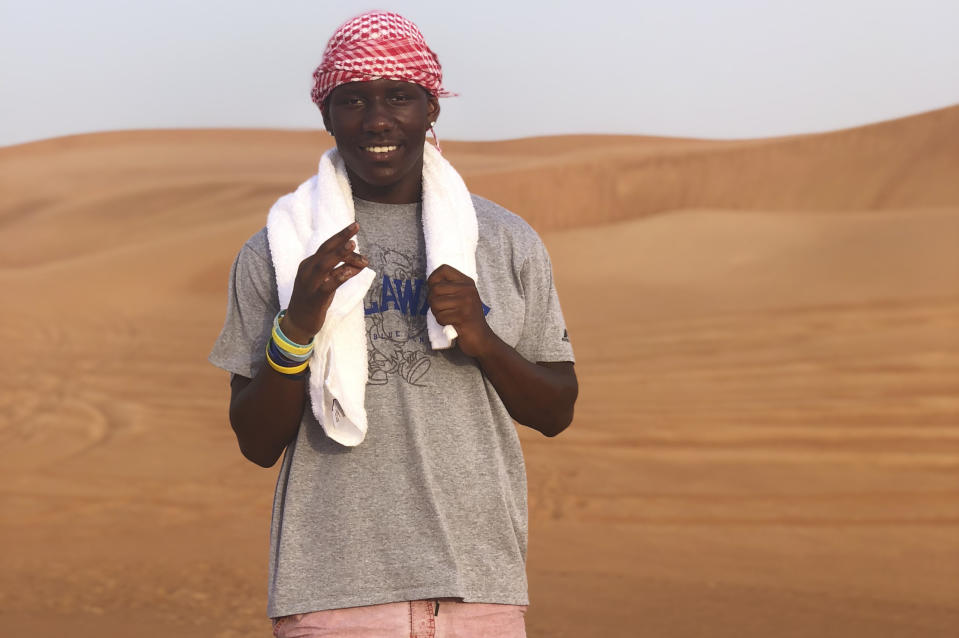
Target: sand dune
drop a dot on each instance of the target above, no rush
(767, 332)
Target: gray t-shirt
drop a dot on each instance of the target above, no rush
(432, 504)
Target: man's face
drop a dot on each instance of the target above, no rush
(379, 128)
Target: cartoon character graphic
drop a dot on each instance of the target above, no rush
(396, 305)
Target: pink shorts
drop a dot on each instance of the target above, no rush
(442, 618)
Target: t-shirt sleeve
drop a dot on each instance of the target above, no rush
(252, 303)
(544, 336)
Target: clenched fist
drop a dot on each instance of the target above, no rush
(455, 301)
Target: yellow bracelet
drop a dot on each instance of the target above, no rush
(284, 344)
(282, 370)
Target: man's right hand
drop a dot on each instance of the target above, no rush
(317, 279)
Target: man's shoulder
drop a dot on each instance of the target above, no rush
(257, 247)
(495, 221)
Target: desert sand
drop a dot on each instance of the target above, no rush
(767, 332)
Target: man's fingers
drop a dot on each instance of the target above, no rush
(346, 256)
(445, 288)
(445, 272)
(439, 304)
(445, 317)
(449, 293)
(355, 259)
(338, 249)
(323, 264)
(349, 231)
(339, 239)
(338, 276)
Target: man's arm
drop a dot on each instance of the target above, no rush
(265, 411)
(538, 395)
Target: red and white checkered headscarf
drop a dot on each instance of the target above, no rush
(377, 45)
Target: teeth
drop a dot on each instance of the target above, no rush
(381, 149)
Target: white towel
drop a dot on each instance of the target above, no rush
(323, 205)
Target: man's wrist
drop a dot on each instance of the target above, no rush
(489, 348)
(293, 332)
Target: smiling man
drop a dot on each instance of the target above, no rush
(383, 332)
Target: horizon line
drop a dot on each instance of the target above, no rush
(256, 129)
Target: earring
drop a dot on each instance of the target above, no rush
(435, 139)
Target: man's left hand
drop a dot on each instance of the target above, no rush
(455, 301)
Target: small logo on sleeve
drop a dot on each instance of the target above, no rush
(565, 335)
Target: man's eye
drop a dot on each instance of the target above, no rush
(400, 98)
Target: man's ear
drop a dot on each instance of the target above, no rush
(432, 109)
(325, 112)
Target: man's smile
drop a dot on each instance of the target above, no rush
(381, 151)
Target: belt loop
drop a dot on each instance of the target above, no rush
(437, 611)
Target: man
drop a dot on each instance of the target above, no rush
(401, 511)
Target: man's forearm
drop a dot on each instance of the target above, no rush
(540, 396)
(265, 414)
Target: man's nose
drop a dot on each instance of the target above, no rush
(377, 117)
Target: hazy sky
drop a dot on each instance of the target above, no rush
(707, 68)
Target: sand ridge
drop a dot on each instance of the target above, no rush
(767, 340)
